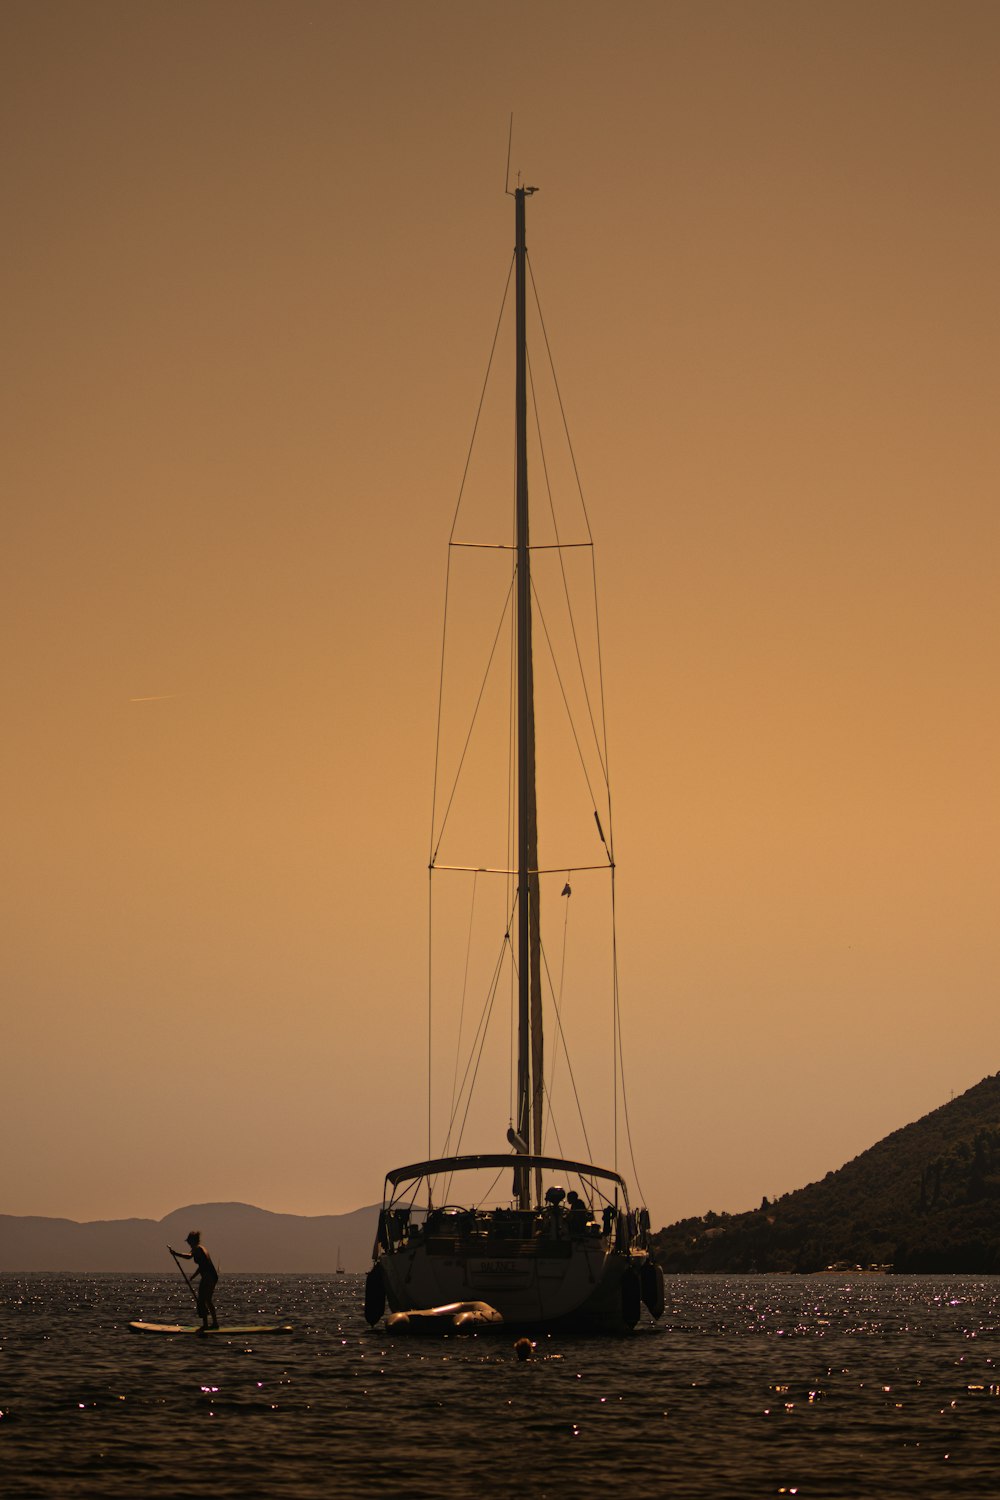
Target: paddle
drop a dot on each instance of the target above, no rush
(187, 1278)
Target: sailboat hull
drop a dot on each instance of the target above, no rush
(567, 1287)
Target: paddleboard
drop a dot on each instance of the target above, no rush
(242, 1330)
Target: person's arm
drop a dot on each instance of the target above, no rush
(181, 1254)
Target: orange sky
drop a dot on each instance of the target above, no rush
(252, 260)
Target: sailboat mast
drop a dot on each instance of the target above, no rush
(529, 1031)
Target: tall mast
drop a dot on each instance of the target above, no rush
(529, 1030)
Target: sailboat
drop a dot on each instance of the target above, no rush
(545, 1259)
(340, 1263)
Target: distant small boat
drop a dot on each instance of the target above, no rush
(340, 1264)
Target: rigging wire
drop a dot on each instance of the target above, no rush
(601, 743)
(562, 982)
(569, 1065)
(435, 846)
(440, 710)
(511, 840)
(562, 689)
(593, 560)
(481, 1034)
(478, 1042)
(551, 1120)
(465, 990)
(489, 1191)
(440, 707)
(562, 409)
(562, 563)
(430, 1002)
(621, 1058)
(482, 398)
(617, 1052)
(451, 536)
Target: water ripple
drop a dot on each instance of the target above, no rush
(827, 1387)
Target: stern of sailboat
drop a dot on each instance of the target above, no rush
(576, 1270)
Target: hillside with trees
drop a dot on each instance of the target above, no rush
(924, 1199)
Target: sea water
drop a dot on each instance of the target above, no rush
(826, 1386)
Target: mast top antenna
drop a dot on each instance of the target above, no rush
(507, 188)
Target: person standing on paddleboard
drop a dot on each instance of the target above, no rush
(207, 1274)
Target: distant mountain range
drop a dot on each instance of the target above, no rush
(239, 1237)
(924, 1199)
(927, 1198)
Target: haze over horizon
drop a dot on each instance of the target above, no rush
(253, 264)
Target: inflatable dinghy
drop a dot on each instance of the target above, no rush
(453, 1317)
